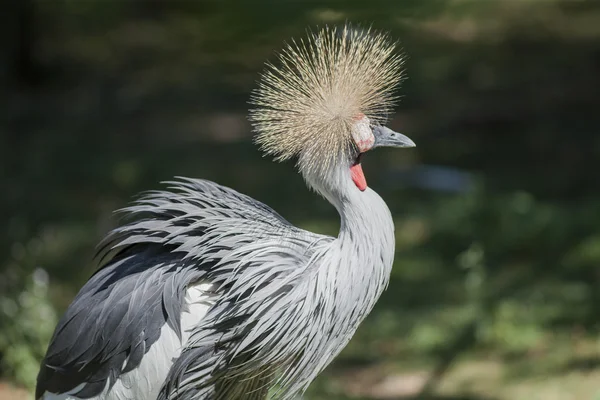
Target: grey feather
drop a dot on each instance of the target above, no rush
(282, 302)
(287, 300)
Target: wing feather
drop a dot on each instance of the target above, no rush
(193, 232)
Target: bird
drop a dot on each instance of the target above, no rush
(206, 293)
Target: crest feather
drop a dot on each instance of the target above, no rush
(306, 105)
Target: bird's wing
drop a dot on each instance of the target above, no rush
(196, 232)
(253, 336)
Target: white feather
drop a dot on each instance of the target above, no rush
(145, 381)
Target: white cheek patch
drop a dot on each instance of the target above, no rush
(362, 133)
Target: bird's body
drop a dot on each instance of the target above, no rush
(209, 294)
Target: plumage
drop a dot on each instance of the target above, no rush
(209, 294)
(308, 101)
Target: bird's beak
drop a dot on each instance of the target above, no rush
(385, 137)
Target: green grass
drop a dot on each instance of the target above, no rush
(565, 369)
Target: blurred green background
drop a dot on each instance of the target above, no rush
(495, 293)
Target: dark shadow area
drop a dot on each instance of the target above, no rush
(582, 364)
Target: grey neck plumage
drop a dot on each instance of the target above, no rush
(362, 254)
(353, 270)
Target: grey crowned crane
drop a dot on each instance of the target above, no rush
(210, 294)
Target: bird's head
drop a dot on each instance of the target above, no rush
(326, 102)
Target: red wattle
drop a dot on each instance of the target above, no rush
(358, 177)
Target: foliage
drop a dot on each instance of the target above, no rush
(28, 320)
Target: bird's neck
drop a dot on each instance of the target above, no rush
(367, 232)
(365, 218)
(355, 267)
(366, 238)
